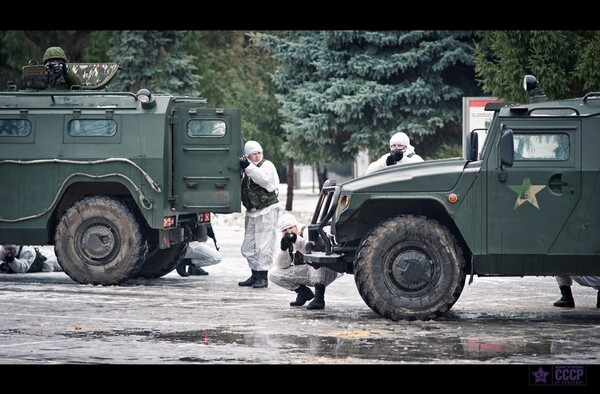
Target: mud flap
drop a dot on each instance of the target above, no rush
(166, 238)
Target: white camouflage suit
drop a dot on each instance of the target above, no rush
(202, 254)
(260, 225)
(289, 276)
(588, 281)
(25, 256)
(409, 154)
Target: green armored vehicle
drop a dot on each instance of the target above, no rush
(525, 205)
(118, 182)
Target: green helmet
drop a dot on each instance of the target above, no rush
(54, 53)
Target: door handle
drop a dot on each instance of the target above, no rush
(556, 183)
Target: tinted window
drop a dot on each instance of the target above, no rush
(541, 146)
(206, 128)
(15, 127)
(92, 127)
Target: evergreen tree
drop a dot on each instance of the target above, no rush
(152, 59)
(96, 51)
(233, 73)
(19, 47)
(564, 62)
(343, 91)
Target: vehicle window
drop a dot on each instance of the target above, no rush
(15, 127)
(206, 128)
(92, 127)
(546, 146)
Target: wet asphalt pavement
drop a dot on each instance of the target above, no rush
(46, 318)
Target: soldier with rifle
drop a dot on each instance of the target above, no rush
(59, 76)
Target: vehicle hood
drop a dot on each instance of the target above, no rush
(431, 175)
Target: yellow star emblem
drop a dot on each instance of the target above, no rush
(526, 193)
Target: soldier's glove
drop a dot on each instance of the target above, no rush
(244, 163)
(397, 154)
(287, 241)
(390, 161)
(9, 257)
(292, 237)
(50, 67)
(63, 68)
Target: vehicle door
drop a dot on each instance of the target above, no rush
(206, 146)
(527, 211)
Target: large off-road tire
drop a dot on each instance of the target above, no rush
(409, 268)
(160, 262)
(100, 241)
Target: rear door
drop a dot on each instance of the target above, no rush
(206, 146)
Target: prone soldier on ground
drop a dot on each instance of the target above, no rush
(26, 258)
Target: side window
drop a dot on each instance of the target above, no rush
(541, 146)
(206, 128)
(92, 127)
(15, 127)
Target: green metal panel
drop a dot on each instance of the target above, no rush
(149, 158)
(527, 213)
(206, 174)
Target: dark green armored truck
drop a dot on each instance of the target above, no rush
(118, 182)
(528, 204)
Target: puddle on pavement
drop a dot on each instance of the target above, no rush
(361, 345)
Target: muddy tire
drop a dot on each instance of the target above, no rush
(160, 262)
(409, 268)
(100, 241)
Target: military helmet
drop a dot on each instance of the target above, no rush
(54, 53)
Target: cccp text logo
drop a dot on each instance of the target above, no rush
(557, 375)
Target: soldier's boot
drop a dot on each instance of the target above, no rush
(193, 270)
(566, 301)
(181, 267)
(251, 280)
(319, 301)
(304, 294)
(262, 281)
